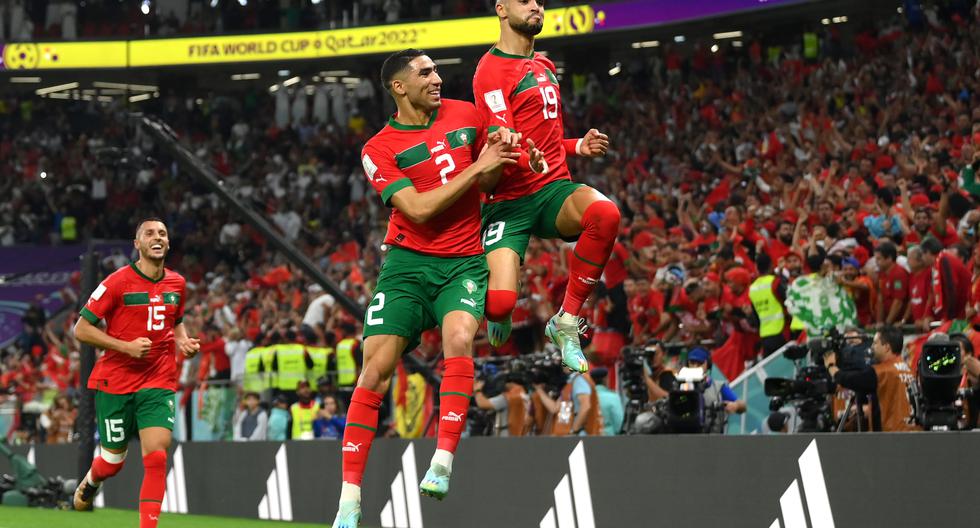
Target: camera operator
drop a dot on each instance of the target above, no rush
(660, 378)
(512, 407)
(576, 411)
(715, 393)
(970, 385)
(887, 382)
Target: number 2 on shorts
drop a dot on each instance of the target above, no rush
(371, 319)
(493, 234)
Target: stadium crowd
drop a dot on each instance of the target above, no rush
(848, 170)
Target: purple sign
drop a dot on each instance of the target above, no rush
(43, 273)
(633, 13)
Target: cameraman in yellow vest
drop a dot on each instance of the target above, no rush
(767, 294)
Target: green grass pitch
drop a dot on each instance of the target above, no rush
(11, 517)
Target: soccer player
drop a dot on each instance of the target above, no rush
(422, 164)
(518, 89)
(136, 379)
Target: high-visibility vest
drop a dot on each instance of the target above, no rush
(69, 231)
(797, 325)
(811, 45)
(320, 356)
(346, 366)
(767, 306)
(269, 377)
(254, 381)
(303, 418)
(291, 360)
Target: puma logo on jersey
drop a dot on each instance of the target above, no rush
(155, 299)
(469, 302)
(502, 118)
(453, 417)
(542, 78)
(588, 280)
(171, 420)
(351, 447)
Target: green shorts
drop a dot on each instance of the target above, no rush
(121, 416)
(512, 222)
(416, 291)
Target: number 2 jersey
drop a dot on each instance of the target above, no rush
(425, 157)
(521, 93)
(133, 306)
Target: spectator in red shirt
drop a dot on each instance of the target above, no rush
(950, 281)
(920, 290)
(893, 285)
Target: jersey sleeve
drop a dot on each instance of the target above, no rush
(179, 316)
(491, 92)
(101, 303)
(380, 169)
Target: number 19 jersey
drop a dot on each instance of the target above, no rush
(425, 157)
(522, 94)
(134, 306)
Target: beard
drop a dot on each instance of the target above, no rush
(786, 239)
(526, 28)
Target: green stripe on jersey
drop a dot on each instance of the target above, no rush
(412, 156)
(461, 137)
(171, 298)
(494, 128)
(551, 76)
(527, 83)
(394, 187)
(136, 299)
(89, 316)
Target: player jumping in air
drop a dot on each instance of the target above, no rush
(136, 379)
(517, 88)
(422, 164)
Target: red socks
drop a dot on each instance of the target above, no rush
(102, 469)
(362, 426)
(600, 224)
(500, 303)
(454, 400)
(154, 486)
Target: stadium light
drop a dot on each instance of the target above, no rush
(214, 3)
(245, 76)
(140, 97)
(283, 73)
(121, 86)
(843, 18)
(728, 35)
(274, 88)
(145, 7)
(736, 43)
(900, 10)
(44, 175)
(334, 73)
(645, 44)
(243, 3)
(291, 81)
(615, 69)
(56, 88)
(714, 48)
(679, 38)
(825, 21)
(25, 80)
(453, 60)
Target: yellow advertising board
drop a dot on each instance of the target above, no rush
(282, 46)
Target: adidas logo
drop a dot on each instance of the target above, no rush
(277, 503)
(567, 516)
(814, 491)
(404, 509)
(351, 447)
(175, 498)
(453, 417)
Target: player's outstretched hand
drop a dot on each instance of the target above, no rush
(189, 347)
(506, 136)
(496, 155)
(594, 144)
(538, 164)
(138, 347)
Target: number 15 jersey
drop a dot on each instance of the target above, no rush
(425, 157)
(133, 306)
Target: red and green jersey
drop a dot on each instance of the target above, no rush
(425, 157)
(521, 93)
(134, 306)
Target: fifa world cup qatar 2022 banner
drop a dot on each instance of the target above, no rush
(45, 274)
(911, 480)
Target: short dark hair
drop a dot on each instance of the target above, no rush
(932, 246)
(396, 63)
(963, 340)
(888, 250)
(763, 262)
(814, 261)
(251, 395)
(148, 219)
(892, 336)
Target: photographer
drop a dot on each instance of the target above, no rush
(576, 411)
(887, 383)
(971, 378)
(659, 379)
(715, 393)
(511, 407)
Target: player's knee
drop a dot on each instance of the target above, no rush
(500, 303)
(458, 343)
(602, 216)
(374, 378)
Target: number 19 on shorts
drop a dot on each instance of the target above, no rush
(493, 234)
